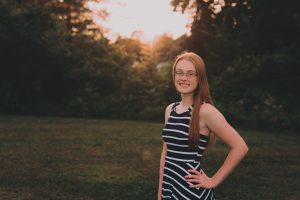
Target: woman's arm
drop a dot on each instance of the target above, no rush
(216, 122)
(163, 155)
(238, 148)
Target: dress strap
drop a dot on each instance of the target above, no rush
(191, 108)
(174, 106)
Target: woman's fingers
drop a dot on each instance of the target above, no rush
(196, 186)
(193, 180)
(194, 171)
(197, 178)
(191, 176)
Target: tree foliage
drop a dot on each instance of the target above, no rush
(251, 55)
(44, 71)
(55, 62)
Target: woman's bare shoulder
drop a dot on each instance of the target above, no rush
(207, 107)
(169, 107)
(207, 110)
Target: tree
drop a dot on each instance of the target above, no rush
(165, 48)
(248, 46)
(33, 46)
(44, 72)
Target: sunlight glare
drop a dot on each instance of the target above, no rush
(151, 17)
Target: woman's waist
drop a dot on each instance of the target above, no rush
(181, 165)
(182, 159)
(183, 156)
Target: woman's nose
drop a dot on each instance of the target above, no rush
(184, 77)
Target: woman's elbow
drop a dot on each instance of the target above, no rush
(244, 148)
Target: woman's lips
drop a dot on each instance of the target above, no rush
(184, 84)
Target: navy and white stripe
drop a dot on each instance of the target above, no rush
(180, 158)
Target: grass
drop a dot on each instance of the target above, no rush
(62, 158)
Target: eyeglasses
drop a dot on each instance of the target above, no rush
(188, 74)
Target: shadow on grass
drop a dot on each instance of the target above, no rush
(75, 189)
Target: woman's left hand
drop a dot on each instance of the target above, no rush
(200, 179)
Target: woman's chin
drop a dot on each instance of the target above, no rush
(185, 91)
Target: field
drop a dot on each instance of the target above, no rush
(91, 159)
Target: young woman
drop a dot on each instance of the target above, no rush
(190, 125)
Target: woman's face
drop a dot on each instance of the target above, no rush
(186, 79)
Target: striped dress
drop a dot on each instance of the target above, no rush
(180, 158)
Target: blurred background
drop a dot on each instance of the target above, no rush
(63, 61)
(58, 60)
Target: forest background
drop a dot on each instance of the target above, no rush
(56, 62)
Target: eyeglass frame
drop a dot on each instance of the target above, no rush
(188, 74)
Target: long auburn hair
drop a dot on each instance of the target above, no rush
(200, 96)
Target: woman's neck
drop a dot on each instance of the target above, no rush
(187, 100)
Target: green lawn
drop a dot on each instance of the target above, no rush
(60, 158)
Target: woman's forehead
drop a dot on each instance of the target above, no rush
(185, 65)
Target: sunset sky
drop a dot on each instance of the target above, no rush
(151, 17)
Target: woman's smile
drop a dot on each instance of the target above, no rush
(184, 85)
